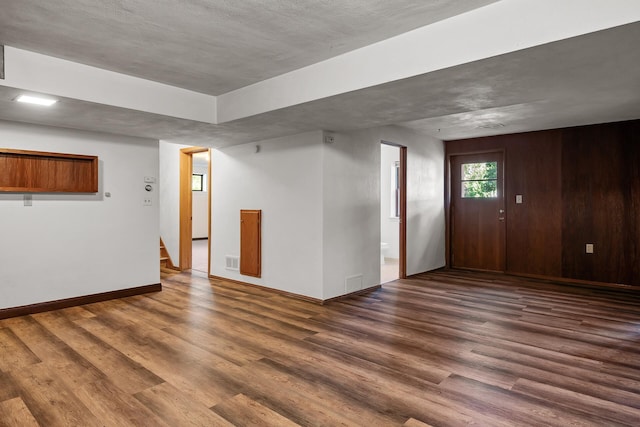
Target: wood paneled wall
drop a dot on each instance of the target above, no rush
(43, 172)
(579, 185)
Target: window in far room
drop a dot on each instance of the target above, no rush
(395, 190)
(197, 182)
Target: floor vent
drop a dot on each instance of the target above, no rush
(232, 262)
(353, 283)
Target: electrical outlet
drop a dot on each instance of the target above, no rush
(147, 201)
(589, 248)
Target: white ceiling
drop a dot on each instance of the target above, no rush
(216, 46)
(211, 46)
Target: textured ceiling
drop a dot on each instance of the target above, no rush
(582, 80)
(211, 46)
(214, 46)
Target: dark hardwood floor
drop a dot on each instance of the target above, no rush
(441, 349)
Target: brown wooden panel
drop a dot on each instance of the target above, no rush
(534, 227)
(600, 186)
(186, 235)
(41, 172)
(475, 145)
(630, 134)
(250, 242)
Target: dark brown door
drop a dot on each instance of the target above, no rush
(477, 212)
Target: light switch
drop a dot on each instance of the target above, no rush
(518, 199)
(28, 199)
(589, 248)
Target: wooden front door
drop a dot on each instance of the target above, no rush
(478, 212)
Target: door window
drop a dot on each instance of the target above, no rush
(479, 180)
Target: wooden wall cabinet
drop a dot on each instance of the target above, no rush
(250, 242)
(23, 171)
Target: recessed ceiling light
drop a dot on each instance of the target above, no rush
(30, 99)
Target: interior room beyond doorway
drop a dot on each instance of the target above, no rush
(389, 212)
(200, 212)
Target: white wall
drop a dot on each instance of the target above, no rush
(283, 180)
(425, 198)
(169, 193)
(389, 225)
(321, 208)
(351, 211)
(351, 226)
(200, 215)
(69, 245)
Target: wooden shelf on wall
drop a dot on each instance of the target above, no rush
(23, 171)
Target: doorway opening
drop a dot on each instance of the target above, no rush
(393, 182)
(195, 202)
(200, 212)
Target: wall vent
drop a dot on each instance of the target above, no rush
(353, 283)
(232, 262)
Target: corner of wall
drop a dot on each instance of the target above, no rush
(284, 180)
(351, 206)
(351, 213)
(169, 196)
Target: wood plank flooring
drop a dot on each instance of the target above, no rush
(439, 349)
